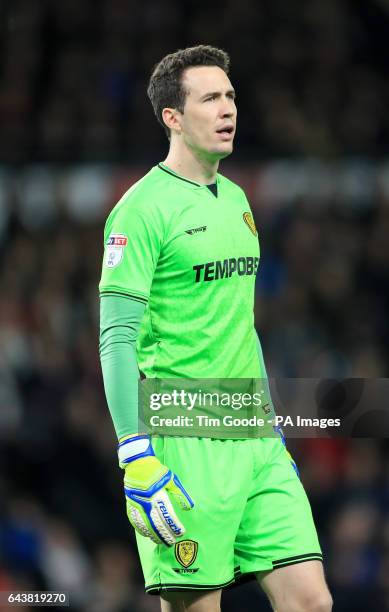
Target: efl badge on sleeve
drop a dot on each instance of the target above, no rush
(248, 219)
(115, 246)
(186, 552)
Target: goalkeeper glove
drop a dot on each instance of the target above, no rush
(150, 487)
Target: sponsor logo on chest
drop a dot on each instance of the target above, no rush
(226, 268)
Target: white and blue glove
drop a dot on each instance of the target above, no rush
(150, 489)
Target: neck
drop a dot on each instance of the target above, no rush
(186, 163)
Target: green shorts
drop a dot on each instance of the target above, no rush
(251, 514)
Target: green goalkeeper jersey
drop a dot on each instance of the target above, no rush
(191, 255)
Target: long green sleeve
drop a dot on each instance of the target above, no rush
(120, 319)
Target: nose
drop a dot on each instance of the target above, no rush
(227, 108)
(228, 113)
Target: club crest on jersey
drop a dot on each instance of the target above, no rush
(115, 246)
(186, 552)
(248, 219)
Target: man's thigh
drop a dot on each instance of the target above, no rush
(300, 587)
(192, 601)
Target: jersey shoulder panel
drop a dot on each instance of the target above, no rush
(154, 197)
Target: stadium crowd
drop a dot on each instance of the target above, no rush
(310, 83)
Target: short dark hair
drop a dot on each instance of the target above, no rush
(165, 88)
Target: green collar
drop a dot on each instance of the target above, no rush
(212, 187)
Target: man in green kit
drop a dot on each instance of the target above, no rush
(177, 298)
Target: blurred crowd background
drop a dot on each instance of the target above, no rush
(311, 77)
(76, 131)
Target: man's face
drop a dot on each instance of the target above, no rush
(209, 120)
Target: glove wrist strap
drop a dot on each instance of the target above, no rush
(134, 448)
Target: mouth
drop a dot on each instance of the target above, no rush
(226, 132)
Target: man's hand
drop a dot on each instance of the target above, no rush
(150, 489)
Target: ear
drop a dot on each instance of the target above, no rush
(172, 119)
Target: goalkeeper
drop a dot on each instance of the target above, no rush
(177, 298)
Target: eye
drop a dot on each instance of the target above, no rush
(210, 98)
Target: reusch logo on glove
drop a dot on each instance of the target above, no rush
(168, 518)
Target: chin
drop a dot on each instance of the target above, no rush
(223, 151)
(226, 152)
